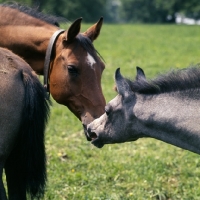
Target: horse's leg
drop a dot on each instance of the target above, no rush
(16, 190)
(2, 189)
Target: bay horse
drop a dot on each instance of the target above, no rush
(71, 66)
(24, 112)
(166, 108)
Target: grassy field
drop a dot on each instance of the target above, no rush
(145, 169)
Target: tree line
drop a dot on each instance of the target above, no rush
(118, 11)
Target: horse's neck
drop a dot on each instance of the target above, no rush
(171, 118)
(28, 41)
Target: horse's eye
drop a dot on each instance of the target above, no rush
(107, 110)
(72, 70)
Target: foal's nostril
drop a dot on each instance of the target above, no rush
(93, 135)
(90, 134)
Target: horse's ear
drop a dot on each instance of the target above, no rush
(123, 87)
(94, 31)
(74, 29)
(140, 74)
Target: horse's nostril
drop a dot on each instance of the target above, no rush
(93, 135)
(90, 134)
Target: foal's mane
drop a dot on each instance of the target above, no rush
(34, 12)
(175, 80)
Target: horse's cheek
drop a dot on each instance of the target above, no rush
(59, 88)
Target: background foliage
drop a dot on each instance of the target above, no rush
(158, 11)
(142, 11)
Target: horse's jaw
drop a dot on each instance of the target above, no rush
(98, 143)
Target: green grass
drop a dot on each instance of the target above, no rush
(145, 169)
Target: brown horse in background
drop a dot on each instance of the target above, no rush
(23, 116)
(74, 76)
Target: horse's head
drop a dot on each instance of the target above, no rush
(75, 76)
(118, 123)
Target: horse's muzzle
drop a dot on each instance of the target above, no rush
(86, 133)
(95, 138)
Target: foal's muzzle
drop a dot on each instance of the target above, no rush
(96, 141)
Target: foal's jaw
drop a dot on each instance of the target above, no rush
(97, 143)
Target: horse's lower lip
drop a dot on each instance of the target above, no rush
(96, 142)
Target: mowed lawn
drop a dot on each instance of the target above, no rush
(145, 169)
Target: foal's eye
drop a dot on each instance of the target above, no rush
(72, 70)
(107, 110)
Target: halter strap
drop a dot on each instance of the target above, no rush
(48, 58)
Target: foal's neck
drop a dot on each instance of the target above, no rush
(29, 42)
(171, 119)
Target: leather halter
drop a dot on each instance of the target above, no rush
(48, 58)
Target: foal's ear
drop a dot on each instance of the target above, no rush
(140, 74)
(123, 87)
(74, 29)
(94, 31)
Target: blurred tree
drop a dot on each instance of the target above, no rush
(157, 11)
(26, 2)
(90, 10)
(191, 9)
(112, 11)
(142, 11)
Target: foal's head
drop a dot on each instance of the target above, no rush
(115, 125)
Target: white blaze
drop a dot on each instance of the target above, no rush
(90, 60)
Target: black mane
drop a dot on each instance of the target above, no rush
(175, 80)
(34, 12)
